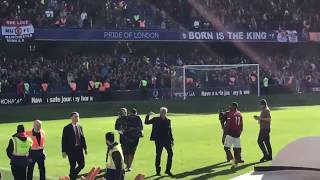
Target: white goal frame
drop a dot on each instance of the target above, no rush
(184, 67)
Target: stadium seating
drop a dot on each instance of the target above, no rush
(125, 71)
(167, 14)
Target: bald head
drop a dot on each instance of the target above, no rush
(37, 125)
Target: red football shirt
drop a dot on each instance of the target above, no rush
(234, 124)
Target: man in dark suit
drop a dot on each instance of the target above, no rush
(162, 135)
(73, 145)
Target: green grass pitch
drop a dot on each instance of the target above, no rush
(198, 152)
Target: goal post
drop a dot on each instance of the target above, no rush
(215, 80)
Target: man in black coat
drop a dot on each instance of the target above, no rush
(132, 133)
(73, 145)
(162, 135)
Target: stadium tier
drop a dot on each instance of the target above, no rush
(246, 15)
(110, 68)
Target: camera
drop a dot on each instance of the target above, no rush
(223, 115)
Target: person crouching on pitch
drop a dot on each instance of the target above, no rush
(233, 130)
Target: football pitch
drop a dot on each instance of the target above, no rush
(198, 152)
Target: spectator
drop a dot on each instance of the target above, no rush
(123, 66)
(83, 19)
(234, 15)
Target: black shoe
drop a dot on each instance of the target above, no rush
(169, 173)
(269, 158)
(158, 174)
(127, 169)
(240, 161)
(229, 158)
(263, 159)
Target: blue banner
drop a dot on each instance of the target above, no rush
(105, 35)
(17, 30)
(163, 35)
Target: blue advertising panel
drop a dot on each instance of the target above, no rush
(163, 35)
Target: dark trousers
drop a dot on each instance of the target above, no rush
(19, 172)
(73, 96)
(144, 93)
(131, 146)
(76, 161)
(44, 97)
(223, 138)
(112, 175)
(265, 90)
(264, 142)
(38, 157)
(159, 148)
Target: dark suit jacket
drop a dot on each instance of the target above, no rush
(161, 129)
(69, 139)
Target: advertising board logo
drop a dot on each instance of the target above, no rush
(18, 31)
(184, 36)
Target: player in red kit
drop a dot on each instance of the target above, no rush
(233, 130)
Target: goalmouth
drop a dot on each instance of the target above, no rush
(215, 80)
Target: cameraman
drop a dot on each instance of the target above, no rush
(120, 126)
(223, 121)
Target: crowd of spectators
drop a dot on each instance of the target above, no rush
(122, 72)
(125, 70)
(257, 15)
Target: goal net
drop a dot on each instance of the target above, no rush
(215, 80)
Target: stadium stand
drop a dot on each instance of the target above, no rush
(167, 14)
(124, 70)
(122, 66)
